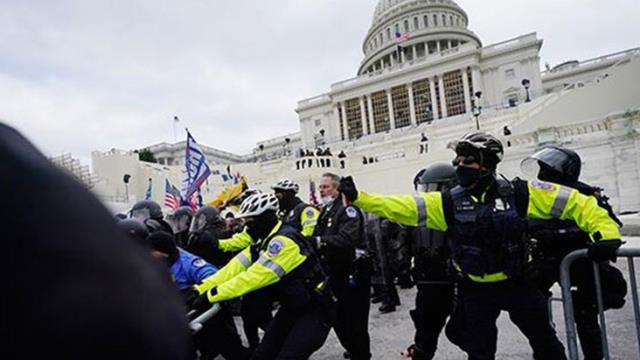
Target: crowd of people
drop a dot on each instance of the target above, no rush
(473, 243)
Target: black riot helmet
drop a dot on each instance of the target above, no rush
(135, 230)
(480, 147)
(554, 164)
(436, 177)
(146, 209)
(180, 219)
(206, 217)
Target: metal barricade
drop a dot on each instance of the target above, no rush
(195, 325)
(569, 316)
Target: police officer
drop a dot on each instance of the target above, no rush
(282, 259)
(218, 335)
(149, 212)
(486, 222)
(180, 220)
(207, 227)
(339, 236)
(293, 211)
(432, 271)
(556, 238)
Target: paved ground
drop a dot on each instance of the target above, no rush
(391, 333)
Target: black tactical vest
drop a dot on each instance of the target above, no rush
(489, 237)
(292, 218)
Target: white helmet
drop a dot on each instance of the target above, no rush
(257, 204)
(286, 184)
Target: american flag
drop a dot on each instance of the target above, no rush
(402, 37)
(171, 196)
(196, 168)
(147, 194)
(313, 200)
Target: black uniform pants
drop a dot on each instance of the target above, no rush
(434, 303)
(352, 318)
(294, 335)
(255, 311)
(473, 325)
(219, 336)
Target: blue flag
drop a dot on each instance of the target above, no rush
(196, 168)
(147, 194)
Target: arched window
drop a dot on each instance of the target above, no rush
(416, 23)
(388, 33)
(406, 26)
(450, 20)
(426, 21)
(444, 20)
(381, 39)
(397, 28)
(435, 20)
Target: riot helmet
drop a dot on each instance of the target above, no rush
(206, 217)
(180, 220)
(554, 164)
(436, 177)
(145, 209)
(479, 147)
(135, 230)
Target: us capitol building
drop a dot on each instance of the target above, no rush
(409, 99)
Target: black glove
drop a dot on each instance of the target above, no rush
(190, 296)
(203, 240)
(348, 188)
(202, 303)
(604, 250)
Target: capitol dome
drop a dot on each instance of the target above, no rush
(433, 26)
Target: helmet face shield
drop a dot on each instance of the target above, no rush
(178, 223)
(140, 214)
(555, 159)
(198, 223)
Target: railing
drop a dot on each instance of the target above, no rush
(617, 56)
(569, 316)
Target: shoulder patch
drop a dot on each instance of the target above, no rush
(542, 185)
(199, 262)
(309, 212)
(351, 212)
(275, 247)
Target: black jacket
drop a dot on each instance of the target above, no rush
(78, 287)
(340, 230)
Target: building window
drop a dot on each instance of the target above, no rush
(454, 93)
(397, 28)
(450, 20)
(444, 20)
(422, 101)
(340, 123)
(416, 23)
(318, 122)
(406, 26)
(381, 39)
(388, 33)
(400, 100)
(354, 118)
(380, 106)
(426, 21)
(435, 20)
(510, 74)
(470, 81)
(433, 47)
(420, 50)
(366, 114)
(512, 100)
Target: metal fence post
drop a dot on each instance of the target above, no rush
(569, 316)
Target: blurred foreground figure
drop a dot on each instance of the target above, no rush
(78, 288)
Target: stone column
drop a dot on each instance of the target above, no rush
(443, 100)
(467, 96)
(434, 99)
(401, 51)
(415, 51)
(412, 106)
(392, 118)
(392, 59)
(438, 46)
(345, 128)
(371, 122)
(363, 117)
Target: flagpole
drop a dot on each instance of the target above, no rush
(176, 119)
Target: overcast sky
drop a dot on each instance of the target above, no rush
(79, 75)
